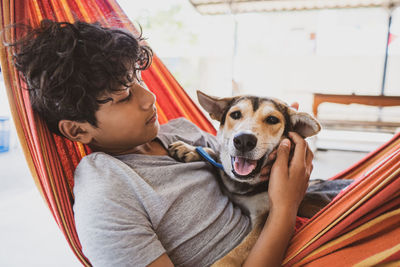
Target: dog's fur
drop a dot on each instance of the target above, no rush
(250, 129)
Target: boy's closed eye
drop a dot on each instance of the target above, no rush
(125, 99)
(121, 100)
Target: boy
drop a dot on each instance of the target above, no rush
(135, 205)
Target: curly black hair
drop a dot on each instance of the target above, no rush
(66, 66)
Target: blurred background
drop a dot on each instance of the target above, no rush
(302, 51)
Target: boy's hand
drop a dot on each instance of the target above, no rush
(289, 179)
(295, 105)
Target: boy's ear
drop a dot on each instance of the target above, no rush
(303, 123)
(215, 106)
(75, 131)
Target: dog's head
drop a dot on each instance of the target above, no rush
(250, 129)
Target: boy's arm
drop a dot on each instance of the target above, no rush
(287, 186)
(162, 261)
(273, 240)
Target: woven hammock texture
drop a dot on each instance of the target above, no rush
(361, 226)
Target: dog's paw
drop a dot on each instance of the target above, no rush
(183, 152)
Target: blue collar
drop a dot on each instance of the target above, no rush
(207, 157)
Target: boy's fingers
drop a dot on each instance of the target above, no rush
(300, 148)
(266, 170)
(295, 105)
(282, 157)
(272, 156)
(309, 156)
(309, 159)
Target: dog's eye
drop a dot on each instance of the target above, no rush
(236, 115)
(272, 120)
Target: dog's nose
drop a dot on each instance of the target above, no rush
(245, 142)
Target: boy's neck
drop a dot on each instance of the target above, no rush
(153, 147)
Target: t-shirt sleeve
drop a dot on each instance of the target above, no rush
(182, 129)
(112, 224)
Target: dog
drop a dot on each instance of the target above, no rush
(250, 130)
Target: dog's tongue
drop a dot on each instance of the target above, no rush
(244, 166)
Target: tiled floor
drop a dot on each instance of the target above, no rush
(29, 234)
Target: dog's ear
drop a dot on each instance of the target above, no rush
(303, 123)
(215, 106)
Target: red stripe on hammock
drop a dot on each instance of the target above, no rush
(375, 202)
(362, 245)
(339, 206)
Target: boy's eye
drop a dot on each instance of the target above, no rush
(236, 115)
(127, 98)
(272, 120)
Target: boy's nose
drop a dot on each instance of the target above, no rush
(148, 99)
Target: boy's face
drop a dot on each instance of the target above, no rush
(126, 119)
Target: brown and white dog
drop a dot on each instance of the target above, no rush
(250, 129)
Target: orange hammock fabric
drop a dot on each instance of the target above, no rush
(359, 227)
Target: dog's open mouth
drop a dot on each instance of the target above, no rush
(246, 168)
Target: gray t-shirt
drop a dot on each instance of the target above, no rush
(131, 209)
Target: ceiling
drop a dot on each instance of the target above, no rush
(216, 7)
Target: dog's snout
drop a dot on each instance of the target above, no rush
(245, 142)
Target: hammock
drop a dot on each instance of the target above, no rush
(361, 226)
